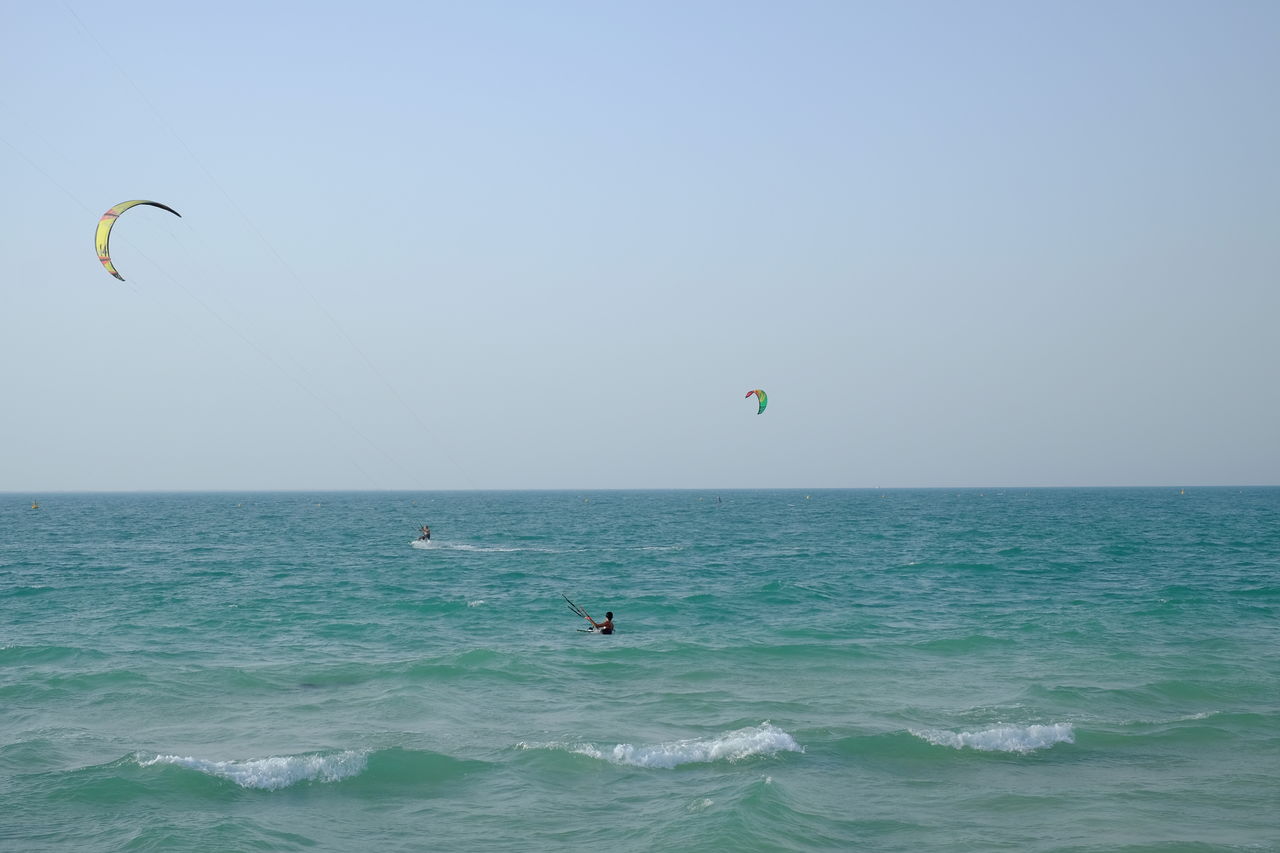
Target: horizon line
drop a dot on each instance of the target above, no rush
(330, 490)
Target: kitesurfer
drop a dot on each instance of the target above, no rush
(426, 534)
(606, 627)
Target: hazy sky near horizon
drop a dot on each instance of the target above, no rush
(437, 245)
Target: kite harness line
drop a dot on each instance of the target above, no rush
(578, 610)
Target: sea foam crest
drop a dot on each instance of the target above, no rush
(765, 739)
(274, 773)
(436, 545)
(1002, 738)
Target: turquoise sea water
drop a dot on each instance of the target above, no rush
(975, 670)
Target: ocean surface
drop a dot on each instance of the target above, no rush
(934, 670)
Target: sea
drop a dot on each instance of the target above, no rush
(792, 670)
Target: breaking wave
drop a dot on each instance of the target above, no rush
(275, 772)
(765, 739)
(1021, 739)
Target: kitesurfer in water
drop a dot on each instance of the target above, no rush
(426, 534)
(606, 627)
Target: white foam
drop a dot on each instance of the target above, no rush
(1002, 738)
(765, 739)
(273, 773)
(431, 545)
(1202, 715)
(434, 545)
(475, 603)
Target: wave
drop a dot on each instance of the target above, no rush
(30, 589)
(1021, 739)
(1171, 694)
(273, 773)
(763, 740)
(372, 773)
(433, 545)
(963, 645)
(19, 655)
(1200, 730)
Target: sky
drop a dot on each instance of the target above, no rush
(552, 245)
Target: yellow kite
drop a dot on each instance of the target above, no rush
(109, 219)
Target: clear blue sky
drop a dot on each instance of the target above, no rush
(553, 244)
